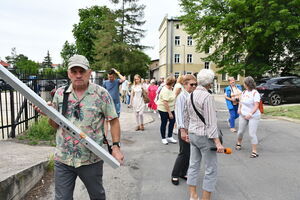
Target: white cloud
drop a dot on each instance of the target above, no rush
(34, 26)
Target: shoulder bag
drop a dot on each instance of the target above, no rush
(203, 120)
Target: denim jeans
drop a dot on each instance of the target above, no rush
(164, 116)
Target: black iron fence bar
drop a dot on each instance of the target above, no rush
(12, 112)
(1, 115)
(18, 115)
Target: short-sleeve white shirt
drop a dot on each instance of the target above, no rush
(248, 100)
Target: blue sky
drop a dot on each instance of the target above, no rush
(36, 26)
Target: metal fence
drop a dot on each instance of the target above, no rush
(16, 113)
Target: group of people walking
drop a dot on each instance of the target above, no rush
(191, 105)
(188, 103)
(194, 119)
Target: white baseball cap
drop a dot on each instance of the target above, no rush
(78, 61)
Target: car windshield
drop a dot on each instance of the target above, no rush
(261, 82)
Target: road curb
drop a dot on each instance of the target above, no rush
(281, 118)
(16, 186)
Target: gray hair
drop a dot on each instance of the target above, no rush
(205, 77)
(250, 83)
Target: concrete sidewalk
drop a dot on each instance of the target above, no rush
(16, 158)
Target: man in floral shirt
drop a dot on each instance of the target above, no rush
(89, 105)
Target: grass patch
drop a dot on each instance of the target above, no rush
(40, 133)
(285, 111)
(50, 165)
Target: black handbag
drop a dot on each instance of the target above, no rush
(203, 120)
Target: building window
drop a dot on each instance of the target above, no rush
(177, 40)
(189, 72)
(189, 41)
(206, 65)
(237, 77)
(189, 58)
(176, 74)
(177, 26)
(224, 76)
(177, 58)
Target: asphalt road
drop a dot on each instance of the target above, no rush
(274, 175)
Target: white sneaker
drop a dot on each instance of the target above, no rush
(164, 141)
(172, 140)
(154, 111)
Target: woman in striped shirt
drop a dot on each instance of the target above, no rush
(202, 136)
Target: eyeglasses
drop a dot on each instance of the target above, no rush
(76, 112)
(193, 84)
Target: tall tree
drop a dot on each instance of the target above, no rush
(248, 36)
(111, 52)
(47, 63)
(67, 51)
(130, 17)
(84, 32)
(12, 58)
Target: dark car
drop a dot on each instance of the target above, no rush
(4, 86)
(47, 85)
(280, 89)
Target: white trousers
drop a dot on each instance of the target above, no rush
(252, 124)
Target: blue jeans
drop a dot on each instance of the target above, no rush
(233, 115)
(164, 116)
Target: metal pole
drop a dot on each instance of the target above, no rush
(183, 59)
(58, 117)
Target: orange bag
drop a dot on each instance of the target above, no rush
(261, 107)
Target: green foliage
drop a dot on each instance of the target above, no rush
(61, 72)
(40, 131)
(23, 65)
(51, 162)
(67, 51)
(84, 32)
(47, 63)
(110, 39)
(130, 19)
(111, 52)
(250, 36)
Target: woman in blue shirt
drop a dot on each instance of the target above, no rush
(232, 94)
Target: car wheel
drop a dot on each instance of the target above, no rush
(275, 99)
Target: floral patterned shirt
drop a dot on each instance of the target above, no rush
(88, 114)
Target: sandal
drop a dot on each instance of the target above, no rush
(142, 128)
(137, 128)
(238, 147)
(254, 155)
(175, 180)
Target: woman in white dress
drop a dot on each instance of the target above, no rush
(137, 102)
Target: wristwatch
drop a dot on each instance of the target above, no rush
(118, 144)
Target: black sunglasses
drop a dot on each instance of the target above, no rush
(76, 112)
(193, 84)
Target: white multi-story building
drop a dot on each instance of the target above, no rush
(177, 53)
